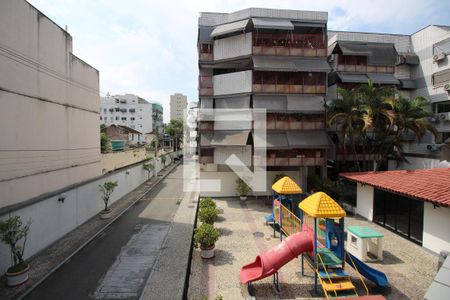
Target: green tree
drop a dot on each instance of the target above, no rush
(175, 130)
(104, 141)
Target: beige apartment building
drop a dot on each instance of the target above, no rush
(178, 103)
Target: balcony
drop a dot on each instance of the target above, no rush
(365, 68)
(205, 85)
(205, 53)
(233, 47)
(295, 122)
(206, 159)
(293, 158)
(289, 82)
(206, 125)
(232, 83)
(309, 45)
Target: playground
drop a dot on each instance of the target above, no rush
(408, 269)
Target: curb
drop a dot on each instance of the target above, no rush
(40, 281)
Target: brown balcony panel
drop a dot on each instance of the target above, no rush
(320, 89)
(390, 69)
(361, 68)
(257, 50)
(295, 161)
(282, 88)
(270, 161)
(309, 52)
(271, 125)
(341, 67)
(350, 68)
(371, 69)
(206, 92)
(282, 51)
(206, 159)
(320, 125)
(257, 88)
(296, 51)
(269, 88)
(269, 51)
(282, 125)
(309, 89)
(321, 52)
(206, 57)
(381, 69)
(282, 161)
(295, 125)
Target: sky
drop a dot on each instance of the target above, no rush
(148, 48)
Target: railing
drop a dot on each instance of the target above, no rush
(364, 68)
(206, 126)
(289, 88)
(290, 223)
(206, 159)
(291, 44)
(205, 85)
(359, 275)
(273, 124)
(295, 161)
(206, 57)
(328, 276)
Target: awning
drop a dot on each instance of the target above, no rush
(381, 54)
(206, 103)
(274, 103)
(304, 103)
(352, 78)
(408, 58)
(229, 28)
(307, 24)
(233, 102)
(442, 47)
(441, 77)
(383, 78)
(205, 139)
(408, 84)
(308, 139)
(204, 35)
(353, 48)
(230, 138)
(280, 24)
(277, 141)
(265, 63)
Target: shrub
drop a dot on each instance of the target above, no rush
(208, 214)
(12, 231)
(242, 189)
(104, 140)
(107, 189)
(206, 235)
(207, 202)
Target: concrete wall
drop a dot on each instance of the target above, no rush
(233, 47)
(436, 224)
(364, 201)
(49, 118)
(415, 163)
(117, 160)
(233, 83)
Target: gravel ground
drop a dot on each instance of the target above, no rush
(409, 268)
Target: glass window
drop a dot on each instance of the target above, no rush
(117, 118)
(104, 110)
(100, 117)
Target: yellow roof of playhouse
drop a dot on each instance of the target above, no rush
(320, 205)
(286, 186)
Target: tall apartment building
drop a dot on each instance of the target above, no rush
(417, 65)
(178, 103)
(157, 117)
(270, 59)
(127, 110)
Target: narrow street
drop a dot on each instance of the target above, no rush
(117, 264)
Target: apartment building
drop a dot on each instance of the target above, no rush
(417, 65)
(178, 103)
(264, 59)
(127, 110)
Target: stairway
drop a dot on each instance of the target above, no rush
(336, 283)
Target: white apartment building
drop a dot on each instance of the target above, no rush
(178, 103)
(127, 110)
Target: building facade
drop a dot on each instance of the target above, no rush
(178, 103)
(157, 117)
(416, 65)
(127, 110)
(264, 59)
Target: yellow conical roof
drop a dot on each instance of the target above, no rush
(320, 205)
(286, 186)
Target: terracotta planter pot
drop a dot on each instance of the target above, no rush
(207, 252)
(243, 198)
(105, 214)
(18, 278)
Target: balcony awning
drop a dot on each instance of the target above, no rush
(205, 139)
(206, 103)
(233, 102)
(352, 78)
(381, 54)
(204, 35)
(441, 77)
(408, 58)
(274, 103)
(408, 84)
(261, 23)
(383, 78)
(286, 64)
(442, 47)
(229, 28)
(230, 138)
(305, 103)
(308, 139)
(277, 141)
(352, 48)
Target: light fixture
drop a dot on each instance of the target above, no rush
(62, 197)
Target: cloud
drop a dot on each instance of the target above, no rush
(149, 47)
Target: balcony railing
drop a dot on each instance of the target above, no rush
(289, 45)
(291, 161)
(206, 57)
(206, 159)
(364, 68)
(294, 125)
(205, 85)
(289, 88)
(206, 125)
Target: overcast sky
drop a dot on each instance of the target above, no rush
(148, 48)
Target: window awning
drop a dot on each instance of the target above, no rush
(304, 103)
(277, 141)
(383, 78)
(408, 84)
(233, 102)
(204, 35)
(308, 139)
(408, 58)
(307, 24)
(442, 47)
(274, 103)
(229, 28)
(352, 78)
(441, 77)
(381, 54)
(205, 139)
(284, 64)
(353, 48)
(230, 138)
(262, 23)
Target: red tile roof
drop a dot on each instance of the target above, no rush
(432, 185)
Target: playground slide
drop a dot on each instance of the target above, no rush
(270, 262)
(377, 277)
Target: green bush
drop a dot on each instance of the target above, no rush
(242, 189)
(206, 235)
(208, 214)
(104, 140)
(207, 202)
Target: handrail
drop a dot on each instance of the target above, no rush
(356, 269)
(326, 272)
(295, 220)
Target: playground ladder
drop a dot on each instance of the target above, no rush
(338, 284)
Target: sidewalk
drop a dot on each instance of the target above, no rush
(51, 258)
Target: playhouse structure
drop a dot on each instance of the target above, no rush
(316, 232)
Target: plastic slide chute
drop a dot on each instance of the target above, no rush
(377, 277)
(270, 262)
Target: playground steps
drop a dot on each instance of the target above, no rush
(333, 273)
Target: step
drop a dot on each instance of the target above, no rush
(333, 273)
(343, 294)
(338, 286)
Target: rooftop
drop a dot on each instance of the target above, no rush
(431, 185)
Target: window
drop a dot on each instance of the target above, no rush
(124, 118)
(443, 107)
(132, 118)
(140, 125)
(100, 118)
(441, 77)
(117, 118)
(104, 110)
(117, 109)
(111, 118)
(117, 100)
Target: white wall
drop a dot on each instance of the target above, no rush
(414, 163)
(364, 201)
(436, 225)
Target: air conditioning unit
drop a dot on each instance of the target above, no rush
(445, 116)
(438, 57)
(447, 87)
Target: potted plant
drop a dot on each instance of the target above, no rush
(242, 189)
(12, 231)
(206, 235)
(107, 189)
(208, 214)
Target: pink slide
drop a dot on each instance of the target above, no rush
(269, 262)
